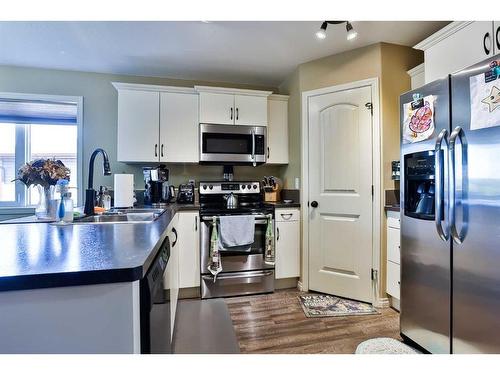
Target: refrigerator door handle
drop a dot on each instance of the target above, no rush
(439, 196)
(458, 237)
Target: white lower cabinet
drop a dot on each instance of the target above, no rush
(189, 249)
(171, 277)
(393, 279)
(287, 236)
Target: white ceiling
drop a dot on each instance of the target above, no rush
(261, 53)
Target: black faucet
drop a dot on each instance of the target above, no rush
(90, 193)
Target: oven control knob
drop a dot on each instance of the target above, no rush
(210, 187)
(255, 187)
(249, 186)
(243, 186)
(204, 187)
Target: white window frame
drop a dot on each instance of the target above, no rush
(78, 100)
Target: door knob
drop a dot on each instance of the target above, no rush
(314, 204)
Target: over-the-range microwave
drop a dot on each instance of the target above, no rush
(233, 144)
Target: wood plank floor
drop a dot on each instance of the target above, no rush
(275, 323)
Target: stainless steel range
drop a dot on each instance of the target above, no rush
(243, 272)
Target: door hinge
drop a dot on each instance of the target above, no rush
(374, 274)
(370, 107)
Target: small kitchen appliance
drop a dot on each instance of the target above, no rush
(185, 194)
(243, 272)
(233, 145)
(157, 191)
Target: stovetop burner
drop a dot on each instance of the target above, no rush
(249, 194)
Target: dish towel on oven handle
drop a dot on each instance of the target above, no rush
(215, 262)
(269, 257)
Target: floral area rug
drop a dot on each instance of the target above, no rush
(385, 345)
(320, 305)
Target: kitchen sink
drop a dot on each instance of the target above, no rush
(126, 216)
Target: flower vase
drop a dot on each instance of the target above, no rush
(46, 208)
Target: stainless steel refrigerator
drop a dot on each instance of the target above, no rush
(450, 212)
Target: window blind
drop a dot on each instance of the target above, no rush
(23, 111)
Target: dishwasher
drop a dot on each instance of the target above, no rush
(155, 306)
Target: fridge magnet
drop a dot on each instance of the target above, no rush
(485, 100)
(418, 123)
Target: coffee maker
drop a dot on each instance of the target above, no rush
(157, 189)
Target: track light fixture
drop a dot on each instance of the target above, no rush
(351, 33)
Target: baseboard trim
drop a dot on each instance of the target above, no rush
(285, 283)
(382, 303)
(300, 286)
(186, 293)
(395, 303)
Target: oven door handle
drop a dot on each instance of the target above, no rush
(253, 148)
(238, 275)
(257, 218)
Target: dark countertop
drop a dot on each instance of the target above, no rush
(392, 208)
(41, 255)
(284, 205)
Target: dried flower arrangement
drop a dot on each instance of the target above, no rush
(43, 172)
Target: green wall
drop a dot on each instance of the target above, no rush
(100, 117)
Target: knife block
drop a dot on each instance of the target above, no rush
(272, 196)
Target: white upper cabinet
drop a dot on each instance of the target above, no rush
(227, 106)
(179, 115)
(277, 130)
(457, 46)
(138, 119)
(216, 108)
(150, 119)
(250, 110)
(417, 76)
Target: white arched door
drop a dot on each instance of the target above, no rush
(340, 186)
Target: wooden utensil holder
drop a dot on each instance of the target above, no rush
(272, 196)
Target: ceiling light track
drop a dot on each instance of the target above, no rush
(351, 33)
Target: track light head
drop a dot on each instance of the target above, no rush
(321, 33)
(351, 33)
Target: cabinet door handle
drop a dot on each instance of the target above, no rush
(156, 150)
(268, 152)
(237, 113)
(174, 231)
(497, 34)
(231, 113)
(277, 234)
(196, 223)
(161, 152)
(486, 49)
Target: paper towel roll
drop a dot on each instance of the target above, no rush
(124, 190)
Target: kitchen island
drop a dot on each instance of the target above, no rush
(75, 288)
